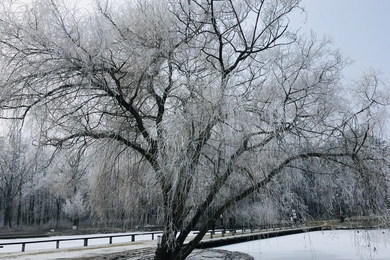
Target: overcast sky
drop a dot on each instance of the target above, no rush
(359, 28)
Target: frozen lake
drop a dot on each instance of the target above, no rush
(320, 245)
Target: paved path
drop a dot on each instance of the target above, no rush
(92, 252)
(141, 251)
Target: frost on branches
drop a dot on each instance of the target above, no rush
(194, 105)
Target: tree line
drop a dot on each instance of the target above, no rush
(42, 192)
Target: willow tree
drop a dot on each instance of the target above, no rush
(218, 97)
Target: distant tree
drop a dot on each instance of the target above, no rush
(68, 179)
(76, 208)
(14, 173)
(217, 97)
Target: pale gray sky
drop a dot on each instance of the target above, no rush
(359, 28)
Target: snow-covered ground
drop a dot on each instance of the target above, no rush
(340, 244)
(69, 244)
(74, 248)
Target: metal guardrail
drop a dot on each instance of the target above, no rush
(261, 234)
(256, 228)
(85, 239)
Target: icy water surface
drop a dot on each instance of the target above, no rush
(320, 245)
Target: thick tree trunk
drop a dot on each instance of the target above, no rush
(169, 249)
(163, 253)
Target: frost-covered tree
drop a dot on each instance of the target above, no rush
(75, 208)
(215, 98)
(67, 179)
(24, 183)
(14, 173)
